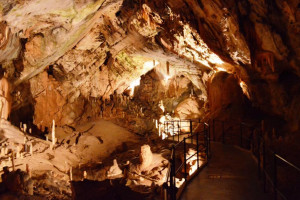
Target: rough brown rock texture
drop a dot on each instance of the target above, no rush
(224, 92)
(93, 50)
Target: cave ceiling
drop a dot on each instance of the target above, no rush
(94, 48)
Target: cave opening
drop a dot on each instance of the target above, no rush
(124, 99)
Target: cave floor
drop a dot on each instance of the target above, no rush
(230, 174)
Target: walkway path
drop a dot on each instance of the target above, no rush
(231, 174)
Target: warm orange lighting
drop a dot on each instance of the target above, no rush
(166, 77)
(149, 65)
(220, 69)
(133, 85)
(245, 89)
(198, 49)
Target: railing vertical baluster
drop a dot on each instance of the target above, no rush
(191, 127)
(184, 152)
(223, 133)
(167, 129)
(171, 180)
(258, 154)
(173, 132)
(241, 135)
(208, 143)
(275, 176)
(264, 164)
(179, 130)
(173, 176)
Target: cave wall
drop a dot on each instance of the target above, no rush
(78, 54)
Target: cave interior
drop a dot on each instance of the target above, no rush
(96, 94)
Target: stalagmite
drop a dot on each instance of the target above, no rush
(5, 97)
(24, 128)
(13, 160)
(114, 170)
(159, 131)
(84, 174)
(18, 152)
(30, 149)
(28, 170)
(53, 133)
(71, 174)
(146, 157)
(66, 166)
(2, 151)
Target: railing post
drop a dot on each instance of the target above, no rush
(264, 164)
(191, 127)
(172, 176)
(184, 152)
(275, 176)
(206, 141)
(223, 133)
(179, 131)
(241, 134)
(258, 154)
(213, 129)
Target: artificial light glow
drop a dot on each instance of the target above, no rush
(245, 89)
(134, 84)
(166, 77)
(220, 69)
(197, 50)
(166, 130)
(162, 107)
(213, 58)
(149, 65)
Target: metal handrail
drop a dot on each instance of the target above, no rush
(287, 162)
(260, 141)
(170, 184)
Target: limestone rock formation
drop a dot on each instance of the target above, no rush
(146, 158)
(114, 171)
(140, 63)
